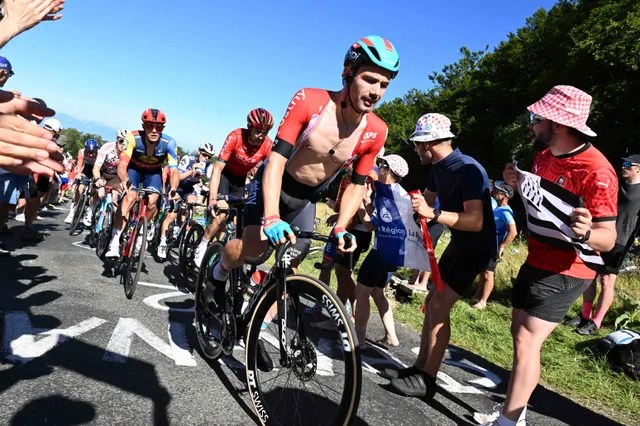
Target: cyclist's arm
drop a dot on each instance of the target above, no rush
(214, 183)
(272, 184)
(102, 154)
(125, 157)
(80, 164)
(172, 159)
(351, 202)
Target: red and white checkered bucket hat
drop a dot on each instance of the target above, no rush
(565, 105)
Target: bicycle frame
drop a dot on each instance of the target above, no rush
(107, 200)
(141, 199)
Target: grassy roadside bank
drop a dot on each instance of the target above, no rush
(567, 367)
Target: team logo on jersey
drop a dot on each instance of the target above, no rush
(150, 160)
(561, 181)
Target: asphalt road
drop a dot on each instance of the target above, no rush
(76, 351)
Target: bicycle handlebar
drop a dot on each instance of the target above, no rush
(255, 261)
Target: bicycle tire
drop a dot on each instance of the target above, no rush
(209, 351)
(104, 237)
(346, 411)
(77, 216)
(131, 281)
(93, 236)
(187, 264)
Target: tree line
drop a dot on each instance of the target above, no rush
(590, 44)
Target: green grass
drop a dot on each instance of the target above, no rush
(567, 368)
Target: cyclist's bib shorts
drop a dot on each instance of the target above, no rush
(297, 207)
(151, 179)
(231, 185)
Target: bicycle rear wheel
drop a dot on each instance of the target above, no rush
(136, 258)
(104, 237)
(325, 362)
(79, 213)
(187, 265)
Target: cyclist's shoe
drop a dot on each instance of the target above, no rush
(263, 360)
(114, 249)
(139, 244)
(152, 231)
(198, 255)
(69, 217)
(20, 217)
(162, 250)
(87, 217)
(213, 294)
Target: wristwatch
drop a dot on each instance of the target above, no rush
(585, 237)
(436, 215)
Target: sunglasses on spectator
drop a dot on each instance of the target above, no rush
(383, 165)
(154, 126)
(10, 73)
(535, 118)
(629, 164)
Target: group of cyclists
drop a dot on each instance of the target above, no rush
(322, 134)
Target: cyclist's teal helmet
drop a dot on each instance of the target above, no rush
(374, 50)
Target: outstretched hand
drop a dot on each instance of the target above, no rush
(21, 15)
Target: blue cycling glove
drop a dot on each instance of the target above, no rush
(275, 229)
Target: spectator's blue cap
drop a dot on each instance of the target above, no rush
(5, 64)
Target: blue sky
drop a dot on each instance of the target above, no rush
(206, 63)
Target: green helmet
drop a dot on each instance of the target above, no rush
(374, 50)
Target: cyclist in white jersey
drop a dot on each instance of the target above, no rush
(105, 169)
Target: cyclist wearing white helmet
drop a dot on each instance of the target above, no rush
(105, 169)
(191, 168)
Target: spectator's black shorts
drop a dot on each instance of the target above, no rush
(612, 260)
(491, 266)
(546, 295)
(435, 231)
(32, 188)
(459, 268)
(374, 271)
(43, 183)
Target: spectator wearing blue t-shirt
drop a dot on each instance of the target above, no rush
(506, 231)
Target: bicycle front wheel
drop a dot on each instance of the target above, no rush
(136, 258)
(79, 213)
(320, 380)
(187, 253)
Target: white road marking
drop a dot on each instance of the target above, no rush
(122, 338)
(154, 302)
(81, 244)
(19, 341)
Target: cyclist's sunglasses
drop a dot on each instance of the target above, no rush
(154, 126)
(535, 118)
(629, 164)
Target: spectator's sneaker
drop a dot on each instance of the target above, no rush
(162, 250)
(485, 419)
(392, 373)
(587, 328)
(32, 236)
(20, 217)
(4, 253)
(578, 321)
(419, 385)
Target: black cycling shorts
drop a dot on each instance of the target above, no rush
(231, 185)
(295, 208)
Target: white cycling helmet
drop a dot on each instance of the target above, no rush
(207, 148)
(52, 125)
(122, 134)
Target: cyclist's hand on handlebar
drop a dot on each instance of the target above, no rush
(346, 240)
(213, 208)
(123, 186)
(100, 183)
(277, 230)
(173, 194)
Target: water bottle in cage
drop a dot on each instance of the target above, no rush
(257, 278)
